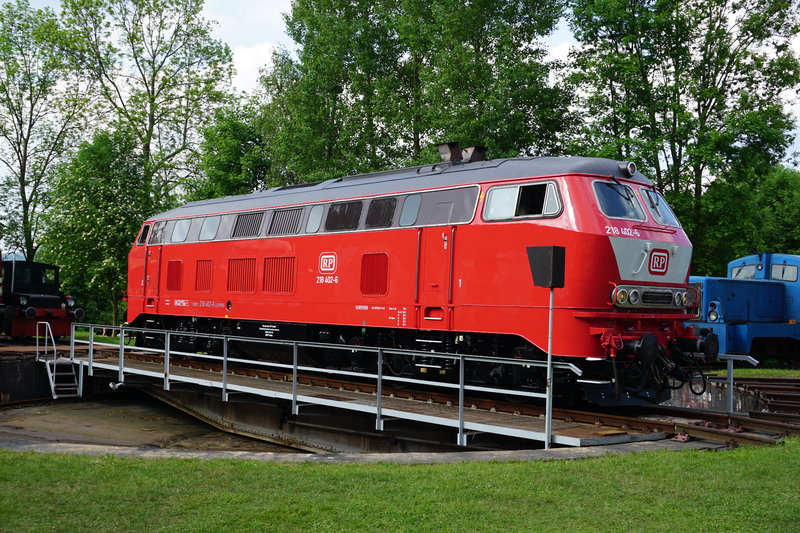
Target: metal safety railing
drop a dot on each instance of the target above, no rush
(43, 329)
(60, 371)
(379, 377)
(729, 359)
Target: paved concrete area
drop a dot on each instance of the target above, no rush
(27, 445)
(127, 421)
(138, 426)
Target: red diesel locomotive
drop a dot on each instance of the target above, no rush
(434, 258)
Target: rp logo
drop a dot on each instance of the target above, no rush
(659, 262)
(327, 263)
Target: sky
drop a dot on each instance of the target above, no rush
(254, 28)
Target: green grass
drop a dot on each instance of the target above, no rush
(760, 373)
(84, 336)
(747, 489)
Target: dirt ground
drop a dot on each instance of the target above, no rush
(131, 420)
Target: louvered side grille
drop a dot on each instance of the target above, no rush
(247, 224)
(285, 221)
(202, 280)
(242, 275)
(279, 275)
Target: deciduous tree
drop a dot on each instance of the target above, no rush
(42, 101)
(159, 70)
(375, 82)
(99, 200)
(689, 89)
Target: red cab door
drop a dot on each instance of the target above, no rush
(436, 277)
(152, 272)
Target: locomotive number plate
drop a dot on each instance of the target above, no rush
(628, 232)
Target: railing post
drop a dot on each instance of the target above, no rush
(294, 378)
(72, 342)
(80, 379)
(167, 347)
(462, 437)
(548, 418)
(121, 375)
(379, 400)
(36, 337)
(91, 350)
(730, 385)
(225, 369)
(47, 342)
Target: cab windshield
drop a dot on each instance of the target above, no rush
(617, 200)
(659, 208)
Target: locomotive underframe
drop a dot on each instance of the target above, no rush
(624, 378)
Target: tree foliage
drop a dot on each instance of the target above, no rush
(99, 200)
(159, 70)
(42, 101)
(375, 83)
(689, 89)
(233, 154)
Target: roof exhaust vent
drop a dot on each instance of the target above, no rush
(449, 151)
(473, 153)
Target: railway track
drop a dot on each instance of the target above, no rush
(683, 424)
(782, 395)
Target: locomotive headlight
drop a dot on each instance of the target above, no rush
(622, 296)
(677, 298)
(634, 297)
(689, 299)
(23, 301)
(713, 316)
(70, 302)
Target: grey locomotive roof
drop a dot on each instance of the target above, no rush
(405, 180)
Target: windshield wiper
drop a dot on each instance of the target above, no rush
(628, 194)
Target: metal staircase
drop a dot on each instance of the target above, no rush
(60, 370)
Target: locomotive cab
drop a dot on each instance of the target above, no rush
(31, 293)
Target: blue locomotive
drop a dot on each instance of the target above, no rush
(755, 310)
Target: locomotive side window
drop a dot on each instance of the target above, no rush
(617, 200)
(522, 201)
(314, 219)
(449, 206)
(374, 274)
(247, 224)
(659, 208)
(143, 235)
(381, 212)
(157, 236)
(784, 272)
(744, 272)
(500, 203)
(181, 230)
(285, 221)
(442, 213)
(343, 216)
(208, 231)
(50, 275)
(410, 210)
